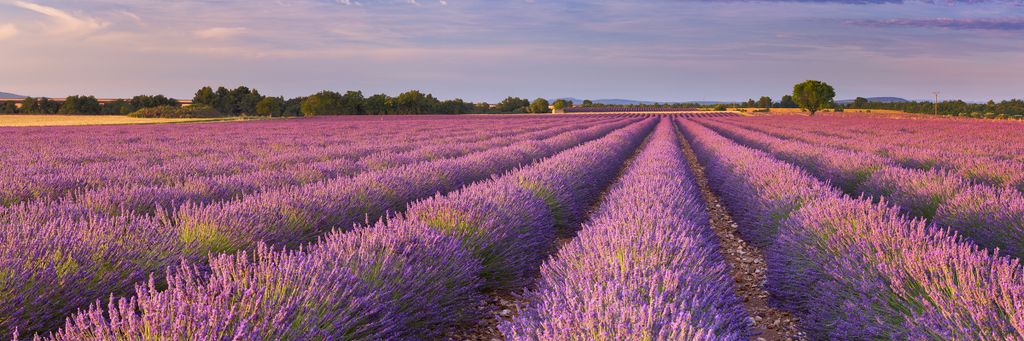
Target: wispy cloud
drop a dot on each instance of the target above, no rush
(219, 32)
(65, 22)
(7, 31)
(134, 17)
(997, 24)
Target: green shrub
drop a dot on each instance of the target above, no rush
(166, 111)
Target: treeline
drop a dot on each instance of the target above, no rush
(241, 101)
(407, 103)
(764, 102)
(1013, 108)
(411, 102)
(590, 104)
(85, 105)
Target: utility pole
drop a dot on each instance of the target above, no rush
(936, 93)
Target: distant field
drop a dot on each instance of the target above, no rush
(798, 110)
(79, 120)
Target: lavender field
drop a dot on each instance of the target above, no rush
(700, 226)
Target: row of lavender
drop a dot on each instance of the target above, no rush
(916, 145)
(416, 276)
(647, 266)
(200, 164)
(854, 269)
(58, 260)
(927, 138)
(53, 162)
(365, 156)
(991, 216)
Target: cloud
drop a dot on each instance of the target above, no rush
(219, 32)
(134, 17)
(998, 24)
(7, 31)
(66, 22)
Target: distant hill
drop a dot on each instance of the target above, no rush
(10, 95)
(877, 100)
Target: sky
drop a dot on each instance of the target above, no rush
(487, 50)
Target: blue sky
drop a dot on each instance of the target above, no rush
(486, 50)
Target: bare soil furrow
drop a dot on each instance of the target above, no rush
(747, 262)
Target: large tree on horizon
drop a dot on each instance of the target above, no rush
(813, 95)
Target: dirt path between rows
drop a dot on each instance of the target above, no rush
(747, 262)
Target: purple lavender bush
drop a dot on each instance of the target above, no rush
(506, 227)
(273, 295)
(991, 217)
(854, 269)
(919, 193)
(759, 200)
(988, 216)
(401, 280)
(510, 222)
(867, 272)
(52, 266)
(430, 279)
(80, 259)
(646, 267)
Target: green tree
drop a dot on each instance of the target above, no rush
(205, 96)
(561, 104)
(222, 100)
(270, 106)
(414, 102)
(80, 105)
(859, 102)
(322, 103)
(588, 103)
(513, 105)
(116, 107)
(40, 105)
(352, 103)
(787, 102)
(764, 102)
(8, 108)
(376, 104)
(482, 108)
(243, 100)
(813, 95)
(540, 106)
(147, 101)
(456, 107)
(293, 107)
(29, 105)
(238, 101)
